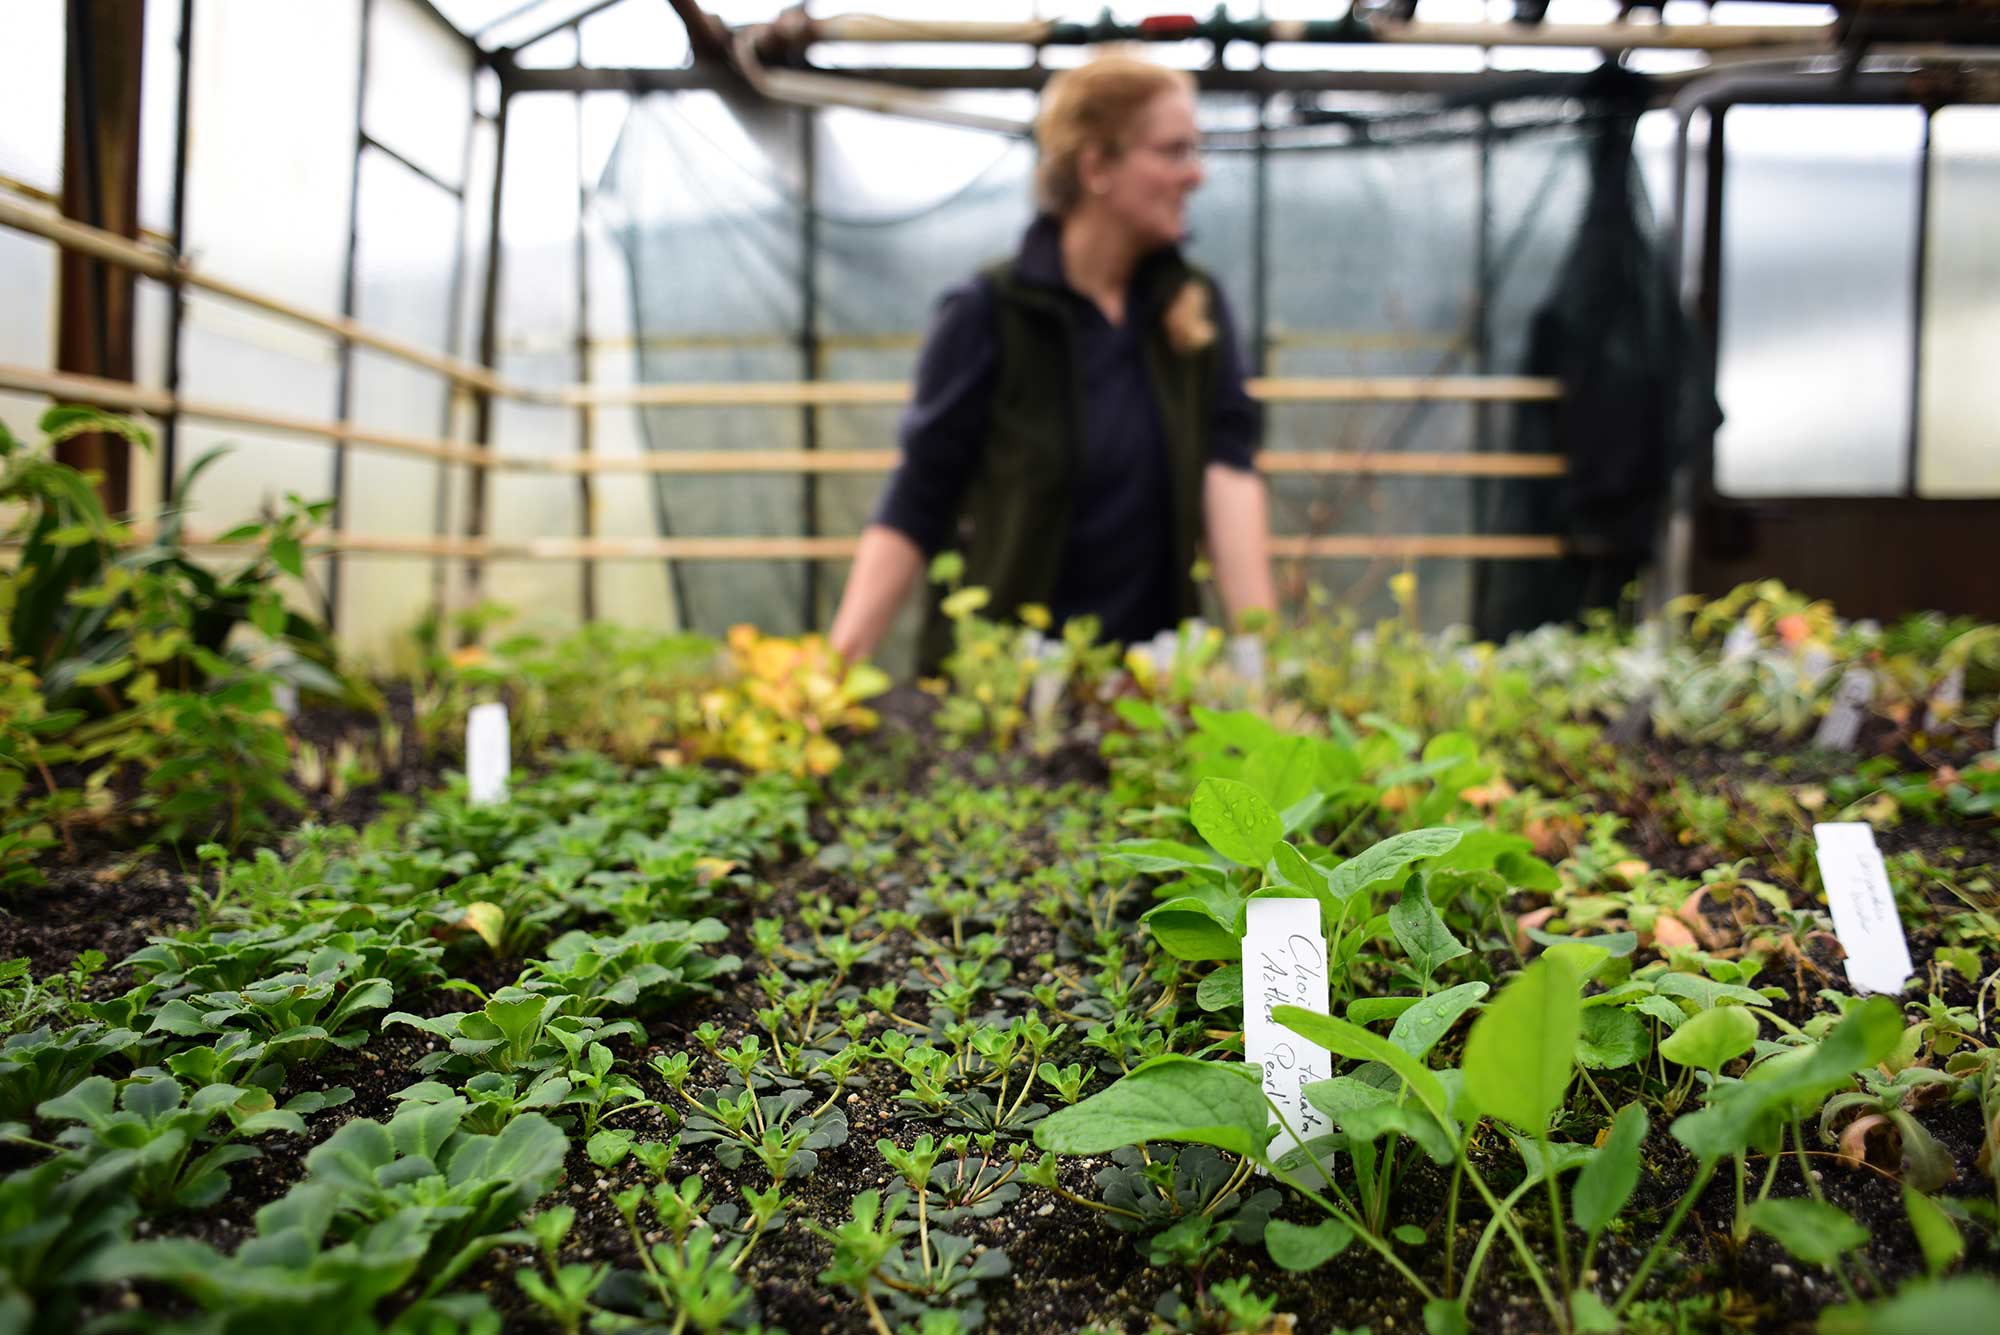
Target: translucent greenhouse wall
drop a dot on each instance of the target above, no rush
(699, 262)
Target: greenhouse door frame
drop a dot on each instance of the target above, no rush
(1871, 556)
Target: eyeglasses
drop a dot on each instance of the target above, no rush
(1180, 152)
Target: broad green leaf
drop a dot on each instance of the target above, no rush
(1237, 728)
(288, 556)
(1389, 857)
(1421, 931)
(1369, 1122)
(1282, 770)
(1612, 1038)
(1522, 1051)
(1937, 1235)
(1367, 1010)
(1187, 929)
(1169, 1098)
(1933, 1307)
(1358, 1044)
(1419, 1028)
(1525, 871)
(1221, 989)
(1289, 867)
(1864, 1036)
(1297, 1247)
(1156, 857)
(1711, 1039)
(1815, 1232)
(1236, 820)
(1589, 1315)
(1140, 714)
(1704, 992)
(1617, 944)
(609, 1147)
(1606, 1182)
(1446, 1316)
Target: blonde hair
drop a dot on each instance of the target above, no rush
(1093, 106)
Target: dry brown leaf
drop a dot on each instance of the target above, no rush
(1670, 933)
(1528, 921)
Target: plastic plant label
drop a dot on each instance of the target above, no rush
(1842, 724)
(1814, 662)
(1864, 908)
(1284, 964)
(1741, 642)
(487, 757)
(1945, 700)
(1246, 658)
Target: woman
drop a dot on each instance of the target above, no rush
(1079, 421)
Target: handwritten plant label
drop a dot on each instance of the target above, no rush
(1864, 907)
(1741, 642)
(1284, 964)
(487, 757)
(1842, 724)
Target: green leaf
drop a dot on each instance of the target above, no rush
(1589, 1315)
(608, 1148)
(1187, 929)
(1155, 857)
(1711, 1039)
(1357, 1044)
(1865, 1035)
(1389, 857)
(1289, 867)
(1299, 1248)
(1612, 1038)
(1140, 714)
(1705, 992)
(1937, 1235)
(1934, 1307)
(1419, 1028)
(1221, 989)
(1814, 1231)
(287, 555)
(1525, 871)
(1169, 1098)
(1282, 770)
(1522, 1051)
(1237, 822)
(1368, 1010)
(1446, 1316)
(1607, 1180)
(1421, 931)
(1408, 1234)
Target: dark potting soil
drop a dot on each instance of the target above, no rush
(1070, 1267)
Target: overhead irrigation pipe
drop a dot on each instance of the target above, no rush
(789, 35)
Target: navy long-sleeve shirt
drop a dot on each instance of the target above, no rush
(1117, 553)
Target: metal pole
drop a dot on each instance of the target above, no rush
(1482, 296)
(1260, 241)
(343, 394)
(586, 415)
(809, 345)
(475, 517)
(453, 342)
(1921, 262)
(176, 295)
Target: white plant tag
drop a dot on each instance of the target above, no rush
(1815, 662)
(1284, 964)
(487, 757)
(1864, 908)
(1246, 658)
(1945, 700)
(1842, 724)
(1741, 642)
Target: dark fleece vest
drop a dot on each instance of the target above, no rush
(1014, 518)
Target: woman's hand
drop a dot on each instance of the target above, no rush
(885, 565)
(1236, 516)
